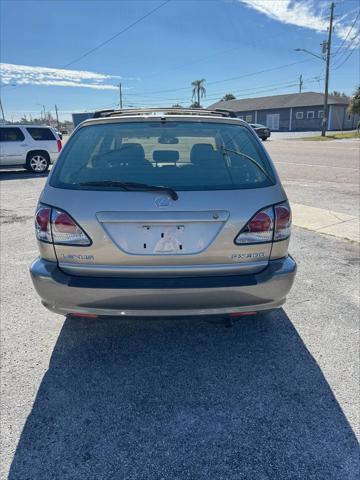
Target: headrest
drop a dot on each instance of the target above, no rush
(203, 152)
(133, 151)
(166, 156)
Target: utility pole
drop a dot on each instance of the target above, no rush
(2, 110)
(328, 53)
(301, 83)
(57, 118)
(120, 93)
(1, 105)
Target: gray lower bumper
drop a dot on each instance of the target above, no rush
(64, 294)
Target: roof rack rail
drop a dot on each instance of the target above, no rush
(226, 112)
(165, 110)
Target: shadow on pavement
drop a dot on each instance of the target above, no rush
(184, 399)
(20, 175)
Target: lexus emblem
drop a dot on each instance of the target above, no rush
(162, 202)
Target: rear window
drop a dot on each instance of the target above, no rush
(10, 134)
(180, 155)
(41, 133)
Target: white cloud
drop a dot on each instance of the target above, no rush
(55, 77)
(302, 13)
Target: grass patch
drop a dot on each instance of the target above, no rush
(332, 136)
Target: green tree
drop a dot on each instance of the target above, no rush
(177, 105)
(228, 96)
(354, 107)
(199, 90)
(335, 93)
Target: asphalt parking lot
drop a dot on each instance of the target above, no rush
(324, 175)
(274, 397)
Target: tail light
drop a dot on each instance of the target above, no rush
(59, 145)
(56, 226)
(270, 224)
(259, 229)
(65, 230)
(282, 221)
(42, 224)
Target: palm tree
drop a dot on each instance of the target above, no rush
(354, 106)
(199, 90)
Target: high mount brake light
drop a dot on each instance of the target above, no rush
(270, 224)
(56, 226)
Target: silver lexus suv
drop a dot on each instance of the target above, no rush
(163, 212)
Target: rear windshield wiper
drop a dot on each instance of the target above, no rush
(132, 187)
(252, 160)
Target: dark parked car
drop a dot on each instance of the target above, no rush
(262, 131)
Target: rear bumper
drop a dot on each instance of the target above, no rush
(211, 295)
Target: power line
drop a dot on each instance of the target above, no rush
(347, 36)
(209, 83)
(116, 35)
(219, 93)
(109, 39)
(217, 97)
(349, 47)
(346, 59)
(203, 58)
(254, 92)
(249, 91)
(213, 95)
(258, 72)
(259, 89)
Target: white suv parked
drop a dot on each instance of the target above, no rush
(33, 147)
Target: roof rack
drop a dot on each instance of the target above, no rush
(165, 110)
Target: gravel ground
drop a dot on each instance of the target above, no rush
(274, 397)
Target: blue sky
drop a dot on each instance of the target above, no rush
(227, 42)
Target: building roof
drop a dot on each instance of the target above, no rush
(307, 99)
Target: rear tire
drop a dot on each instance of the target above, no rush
(264, 139)
(38, 162)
